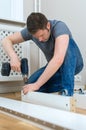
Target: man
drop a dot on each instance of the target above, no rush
(63, 56)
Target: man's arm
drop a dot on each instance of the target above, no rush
(61, 45)
(8, 43)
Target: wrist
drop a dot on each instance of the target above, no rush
(37, 85)
(13, 55)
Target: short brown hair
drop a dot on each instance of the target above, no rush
(36, 21)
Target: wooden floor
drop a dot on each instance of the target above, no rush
(12, 95)
(10, 123)
(81, 111)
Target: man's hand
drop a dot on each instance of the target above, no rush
(15, 64)
(30, 88)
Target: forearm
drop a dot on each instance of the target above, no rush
(8, 47)
(50, 70)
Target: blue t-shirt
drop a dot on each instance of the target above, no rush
(57, 28)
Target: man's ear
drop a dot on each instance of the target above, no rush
(48, 25)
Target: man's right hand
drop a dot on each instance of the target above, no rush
(7, 44)
(15, 64)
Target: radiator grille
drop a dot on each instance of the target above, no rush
(3, 55)
(20, 49)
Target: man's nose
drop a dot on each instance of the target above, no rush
(40, 39)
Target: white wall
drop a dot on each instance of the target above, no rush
(28, 7)
(73, 13)
(5, 4)
(11, 9)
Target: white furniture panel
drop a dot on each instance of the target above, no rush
(55, 117)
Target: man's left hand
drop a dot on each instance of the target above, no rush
(30, 88)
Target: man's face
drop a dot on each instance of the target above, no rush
(43, 34)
